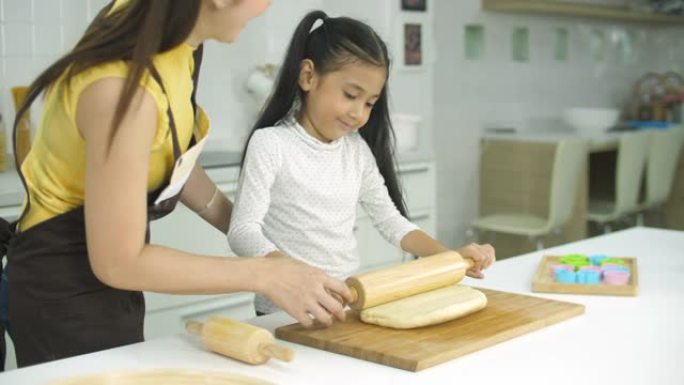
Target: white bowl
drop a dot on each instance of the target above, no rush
(591, 121)
(406, 131)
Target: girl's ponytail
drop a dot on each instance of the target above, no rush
(286, 89)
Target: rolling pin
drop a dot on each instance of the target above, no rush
(418, 276)
(239, 340)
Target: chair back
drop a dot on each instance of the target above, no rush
(569, 161)
(663, 157)
(631, 161)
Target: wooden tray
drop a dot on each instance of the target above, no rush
(506, 316)
(544, 281)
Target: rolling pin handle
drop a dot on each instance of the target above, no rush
(194, 327)
(278, 351)
(354, 295)
(469, 263)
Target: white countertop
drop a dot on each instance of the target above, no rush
(619, 340)
(12, 192)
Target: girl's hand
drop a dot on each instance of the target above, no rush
(303, 291)
(482, 255)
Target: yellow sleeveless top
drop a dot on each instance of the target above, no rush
(54, 169)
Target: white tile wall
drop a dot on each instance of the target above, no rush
(470, 95)
(46, 11)
(17, 10)
(34, 33)
(50, 27)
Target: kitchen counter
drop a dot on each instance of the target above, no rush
(12, 192)
(619, 340)
(214, 159)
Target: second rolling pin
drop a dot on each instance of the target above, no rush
(239, 340)
(419, 276)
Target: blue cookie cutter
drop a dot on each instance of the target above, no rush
(565, 276)
(597, 259)
(589, 277)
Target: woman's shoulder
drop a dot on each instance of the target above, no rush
(114, 69)
(117, 69)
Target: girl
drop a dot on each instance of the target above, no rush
(321, 146)
(116, 147)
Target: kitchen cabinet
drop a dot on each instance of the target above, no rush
(9, 213)
(374, 250)
(573, 9)
(166, 314)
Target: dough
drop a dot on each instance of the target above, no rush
(428, 308)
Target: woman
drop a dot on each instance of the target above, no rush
(116, 148)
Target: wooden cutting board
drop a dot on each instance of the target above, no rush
(506, 316)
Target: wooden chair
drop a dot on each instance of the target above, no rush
(629, 170)
(661, 165)
(569, 160)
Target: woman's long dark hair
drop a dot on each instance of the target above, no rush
(337, 42)
(135, 33)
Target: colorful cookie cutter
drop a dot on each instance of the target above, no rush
(589, 276)
(613, 261)
(565, 276)
(554, 268)
(576, 260)
(597, 259)
(612, 267)
(616, 277)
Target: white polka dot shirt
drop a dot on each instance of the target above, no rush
(299, 195)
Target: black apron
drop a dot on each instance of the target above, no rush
(57, 307)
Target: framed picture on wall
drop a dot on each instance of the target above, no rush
(413, 45)
(414, 5)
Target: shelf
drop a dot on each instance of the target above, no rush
(564, 8)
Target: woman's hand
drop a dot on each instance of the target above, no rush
(303, 291)
(482, 255)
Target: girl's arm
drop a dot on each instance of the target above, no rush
(202, 196)
(419, 243)
(376, 200)
(116, 220)
(253, 197)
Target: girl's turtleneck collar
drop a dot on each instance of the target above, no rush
(309, 139)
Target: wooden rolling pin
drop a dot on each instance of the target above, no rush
(419, 276)
(239, 340)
